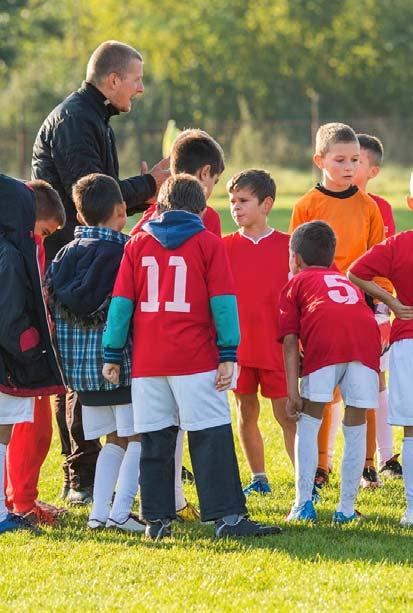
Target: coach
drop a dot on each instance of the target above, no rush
(76, 139)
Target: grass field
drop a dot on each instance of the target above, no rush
(308, 568)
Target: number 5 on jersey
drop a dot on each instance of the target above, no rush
(178, 304)
(343, 291)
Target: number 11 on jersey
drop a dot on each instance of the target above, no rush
(178, 304)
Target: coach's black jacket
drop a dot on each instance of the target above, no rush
(28, 365)
(75, 140)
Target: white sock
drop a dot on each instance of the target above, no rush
(128, 483)
(306, 457)
(408, 471)
(354, 457)
(3, 508)
(107, 471)
(335, 422)
(180, 500)
(384, 431)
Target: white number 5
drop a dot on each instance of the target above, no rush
(346, 294)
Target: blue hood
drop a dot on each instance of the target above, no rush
(173, 228)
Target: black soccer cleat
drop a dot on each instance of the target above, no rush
(244, 527)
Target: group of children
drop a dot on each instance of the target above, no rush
(152, 330)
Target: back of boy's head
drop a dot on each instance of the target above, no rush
(193, 149)
(49, 205)
(95, 197)
(182, 192)
(374, 148)
(315, 241)
(258, 182)
(332, 133)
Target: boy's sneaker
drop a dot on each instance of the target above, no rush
(80, 497)
(17, 522)
(407, 520)
(41, 515)
(51, 507)
(188, 513)
(244, 527)
(131, 524)
(187, 476)
(96, 524)
(158, 529)
(370, 478)
(392, 468)
(321, 478)
(302, 512)
(315, 494)
(257, 487)
(340, 518)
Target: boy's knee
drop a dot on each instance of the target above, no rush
(114, 439)
(354, 416)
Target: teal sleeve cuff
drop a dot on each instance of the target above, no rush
(112, 356)
(225, 314)
(227, 354)
(117, 326)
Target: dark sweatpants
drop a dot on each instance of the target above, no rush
(215, 469)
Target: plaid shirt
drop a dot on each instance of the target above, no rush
(80, 339)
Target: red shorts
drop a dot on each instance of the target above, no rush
(272, 383)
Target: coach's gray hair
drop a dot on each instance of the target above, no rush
(110, 56)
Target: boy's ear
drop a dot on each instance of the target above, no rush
(374, 171)
(204, 172)
(267, 204)
(318, 161)
(80, 219)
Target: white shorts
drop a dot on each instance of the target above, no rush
(98, 421)
(385, 361)
(400, 383)
(188, 401)
(15, 409)
(359, 385)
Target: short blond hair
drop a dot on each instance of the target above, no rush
(332, 133)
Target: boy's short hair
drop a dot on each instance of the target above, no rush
(48, 202)
(95, 197)
(373, 146)
(193, 149)
(182, 192)
(332, 133)
(258, 182)
(315, 241)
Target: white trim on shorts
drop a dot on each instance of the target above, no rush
(191, 402)
(101, 420)
(16, 409)
(400, 383)
(359, 385)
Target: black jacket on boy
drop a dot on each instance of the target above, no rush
(28, 364)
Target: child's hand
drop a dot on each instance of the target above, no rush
(223, 377)
(111, 373)
(294, 408)
(401, 311)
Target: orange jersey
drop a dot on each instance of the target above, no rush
(356, 221)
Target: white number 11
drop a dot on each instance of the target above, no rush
(178, 304)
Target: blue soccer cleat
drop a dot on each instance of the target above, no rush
(303, 512)
(257, 487)
(340, 518)
(17, 522)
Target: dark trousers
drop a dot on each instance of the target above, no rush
(215, 469)
(80, 455)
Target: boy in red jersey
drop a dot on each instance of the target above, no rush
(316, 301)
(259, 259)
(175, 281)
(393, 259)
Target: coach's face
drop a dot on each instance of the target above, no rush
(125, 88)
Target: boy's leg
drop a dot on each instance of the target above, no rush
(288, 426)
(323, 439)
(5, 434)
(306, 450)
(370, 477)
(128, 484)
(180, 500)
(248, 412)
(407, 519)
(385, 434)
(354, 429)
(106, 475)
(335, 422)
(60, 413)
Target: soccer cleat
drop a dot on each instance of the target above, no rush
(340, 518)
(188, 513)
(158, 529)
(407, 520)
(131, 524)
(302, 512)
(41, 515)
(80, 497)
(370, 478)
(96, 524)
(51, 508)
(321, 478)
(316, 494)
(392, 468)
(257, 487)
(187, 476)
(17, 522)
(244, 527)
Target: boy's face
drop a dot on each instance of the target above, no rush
(207, 180)
(45, 227)
(246, 209)
(294, 264)
(366, 170)
(339, 165)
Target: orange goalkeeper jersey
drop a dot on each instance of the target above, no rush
(353, 215)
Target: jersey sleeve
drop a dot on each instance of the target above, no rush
(212, 221)
(377, 262)
(289, 313)
(376, 233)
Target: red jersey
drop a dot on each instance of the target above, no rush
(393, 259)
(386, 211)
(329, 315)
(260, 271)
(172, 290)
(211, 220)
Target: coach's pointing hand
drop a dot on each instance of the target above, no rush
(160, 172)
